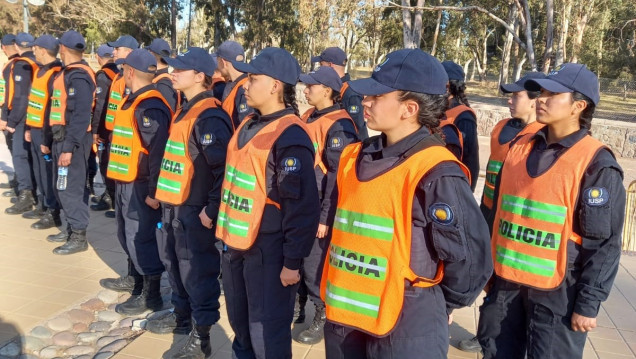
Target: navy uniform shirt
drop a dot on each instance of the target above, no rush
(339, 135)
(153, 119)
(451, 139)
(79, 107)
(164, 86)
(241, 109)
(599, 224)
(293, 188)
(467, 125)
(101, 100)
(22, 78)
(352, 103)
(461, 240)
(208, 148)
(47, 135)
(5, 75)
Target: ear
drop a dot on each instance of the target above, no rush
(410, 109)
(578, 107)
(277, 86)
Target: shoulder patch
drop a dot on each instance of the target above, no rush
(71, 91)
(336, 142)
(127, 91)
(17, 78)
(242, 108)
(207, 139)
(145, 121)
(98, 89)
(291, 164)
(441, 213)
(596, 196)
(354, 109)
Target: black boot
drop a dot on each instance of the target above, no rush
(24, 203)
(299, 309)
(148, 299)
(197, 346)
(104, 204)
(8, 185)
(9, 193)
(110, 213)
(171, 322)
(126, 283)
(60, 237)
(50, 219)
(470, 345)
(37, 213)
(315, 332)
(76, 243)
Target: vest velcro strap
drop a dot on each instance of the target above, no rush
(421, 282)
(275, 204)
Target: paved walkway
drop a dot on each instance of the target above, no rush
(44, 300)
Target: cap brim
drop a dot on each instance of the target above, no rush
(113, 44)
(548, 84)
(246, 68)
(315, 59)
(176, 63)
(307, 79)
(510, 88)
(120, 61)
(369, 86)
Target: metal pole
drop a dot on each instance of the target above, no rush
(25, 18)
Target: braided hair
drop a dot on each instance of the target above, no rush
(289, 97)
(457, 88)
(585, 118)
(432, 108)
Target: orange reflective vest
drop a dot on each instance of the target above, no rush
(535, 215)
(126, 146)
(177, 169)
(39, 97)
(363, 280)
(167, 77)
(3, 82)
(318, 129)
(498, 153)
(451, 116)
(57, 115)
(116, 93)
(8, 89)
(244, 192)
(109, 73)
(229, 103)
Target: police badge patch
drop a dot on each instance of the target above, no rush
(242, 108)
(354, 109)
(441, 213)
(71, 91)
(336, 142)
(145, 121)
(207, 139)
(290, 164)
(596, 196)
(17, 78)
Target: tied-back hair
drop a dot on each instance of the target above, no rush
(432, 108)
(208, 82)
(585, 118)
(457, 88)
(289, 97)
(336, 98)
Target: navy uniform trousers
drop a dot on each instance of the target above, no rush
(188, 252)
(20, 153)
(43, 171)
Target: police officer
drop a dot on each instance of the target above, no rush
(122, 47)
(8, 42)
(270, 209)
(234, 102)
(160, 49)
(70, 120)
(331, 129)
(45, 49)
(104, 77)
(139, 138)
(335, 58)
(401, 260)
(556, 229)
(464, 119)
(218, 81)
(190, 188)
(18, 87)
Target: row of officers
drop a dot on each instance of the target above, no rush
(383, 233)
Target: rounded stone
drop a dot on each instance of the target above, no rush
(64, 339)
(93, 305)
(108, 296)
(115, 346)
(41, 332)
(49, 352)
(84, 357)
(126, 322)
(79, 350)
(80, 327)
(11, 350)
(104, 341)
(28, 356)
(103, 355)
(88, 337)
(81, 316)
(33, 344)
(139, 324)
(121, 332)
(113, 306)
(99, 326)
(60, 324)
(108, 316)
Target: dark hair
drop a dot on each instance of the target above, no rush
(53, 52)
(432, 108)
(585, 118)
(457, 88)
(289, 97)
(208, 82)
(335, 97)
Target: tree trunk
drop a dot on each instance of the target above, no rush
(484, 55)
(173, 24)
(439, 21)
(412, 24)
(519, 67)
(584, 9)
(472, 73)
(549, 34)
(561, 52)
(528, 32)
(466, 65)
(407, 29)
(505, 55)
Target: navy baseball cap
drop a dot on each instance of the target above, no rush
(274, 62)
(23, 39)
(335, 55)
(73, 40)
(159, 47)
(46, 42)
(454, 71)
(406, 70)
(325, 75)
(125, 41)
(231, 51)
(105, 51)
(140, 59)
(215, 59)
(195, 58)
(8, 39)
(569, 77)
(518, 86)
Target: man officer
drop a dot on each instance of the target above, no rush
(160, 49)
(234, 102)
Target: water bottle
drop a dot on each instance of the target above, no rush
(101, 146)
(62, 174)
(47, 157)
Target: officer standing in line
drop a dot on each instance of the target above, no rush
(401, 261)
(218, 81)
(19, 86)
(160, 49)
(70, 120)
(122, 47)
(335, 58)
(139, 138)
(45, 49)
(8, 42)
(189, 188)
(270, 209)
(234, 102)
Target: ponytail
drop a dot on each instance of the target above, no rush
(289, 97)
(457, 88)
(585, 118)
